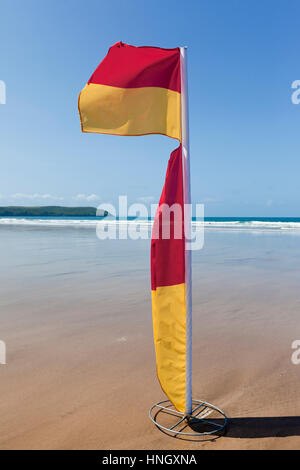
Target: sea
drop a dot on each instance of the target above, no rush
(210, 223)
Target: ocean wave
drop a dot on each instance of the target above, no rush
(251, 225)
(93, 222)
(46, 222)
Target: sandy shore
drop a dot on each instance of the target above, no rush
(80, 370)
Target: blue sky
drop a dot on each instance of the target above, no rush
(244, 129)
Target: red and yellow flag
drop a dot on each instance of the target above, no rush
(168, 285)
(137, 91)
(134, 91)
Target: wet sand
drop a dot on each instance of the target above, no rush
(76, 318)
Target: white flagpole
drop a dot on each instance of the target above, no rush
(187, 224)
(159, 407)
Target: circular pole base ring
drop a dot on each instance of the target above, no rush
(200, 422)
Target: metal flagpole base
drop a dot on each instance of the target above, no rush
(205, 419)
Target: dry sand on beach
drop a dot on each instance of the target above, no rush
(80, 370)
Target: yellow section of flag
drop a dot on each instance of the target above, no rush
(130, 111)
(168, 307)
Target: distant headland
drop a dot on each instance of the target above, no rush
(51, 211)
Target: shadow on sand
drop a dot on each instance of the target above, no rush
(252, 428)
(249, 428)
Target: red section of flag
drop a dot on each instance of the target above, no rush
(128, 66)
(168, 255)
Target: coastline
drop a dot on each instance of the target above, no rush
(291, 224)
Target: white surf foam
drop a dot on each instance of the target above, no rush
(225, 225)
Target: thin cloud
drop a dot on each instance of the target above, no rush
(92, 197)
(27, 196)
(85, 197)
(146, 199)
(80, 197)
(210, 200)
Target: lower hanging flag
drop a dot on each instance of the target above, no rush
(138, 91)
(168, 285)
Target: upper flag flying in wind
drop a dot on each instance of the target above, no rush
(137, 91)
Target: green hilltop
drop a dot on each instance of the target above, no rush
(50, 211)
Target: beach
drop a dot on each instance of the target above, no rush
(76, 319)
